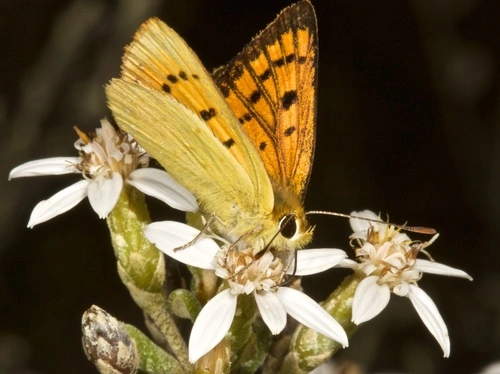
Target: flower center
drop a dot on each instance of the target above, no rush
(390, 255)
(109, 151)
(246, 273)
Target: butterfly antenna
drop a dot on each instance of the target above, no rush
(416, 229)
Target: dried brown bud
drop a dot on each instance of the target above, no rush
(107, 344)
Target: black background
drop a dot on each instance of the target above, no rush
(408, 124)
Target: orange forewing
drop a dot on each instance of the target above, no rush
(271, 87)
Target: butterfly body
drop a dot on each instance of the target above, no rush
(241, 142)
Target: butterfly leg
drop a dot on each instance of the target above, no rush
(204, 230)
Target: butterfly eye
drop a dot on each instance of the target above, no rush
(288, 226)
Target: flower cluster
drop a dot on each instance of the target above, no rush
(387, 260)
(247, 273)
(107, 161)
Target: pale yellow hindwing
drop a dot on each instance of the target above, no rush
(167, 100)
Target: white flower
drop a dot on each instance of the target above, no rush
(106, 161)
(246, 274)
(388, 261)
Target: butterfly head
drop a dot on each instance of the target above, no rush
(294, 230)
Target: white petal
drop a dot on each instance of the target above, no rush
(429, 314)
(212, 324)
(271, 310)
(361, 224)
(46, 166)
(370, 299)
(104, 193)
(350, 264)
(159, 184)
(432, 267)
(61, 202)
(312, 261)
(168, 235)
(493, 368)
(309, 313)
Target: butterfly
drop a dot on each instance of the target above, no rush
(242, 140)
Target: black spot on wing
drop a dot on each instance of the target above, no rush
(289, 98)
(287, 59)
(228, 143)
(255, 96)
(302, 59)
(265, 75)
(196, 76)
(183, 76)
(246, 117)
(207, 114)
(166, 88)
(279, 63)
(289, 131)
(172, 78)
(262, 146)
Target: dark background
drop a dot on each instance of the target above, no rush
(408, 124)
